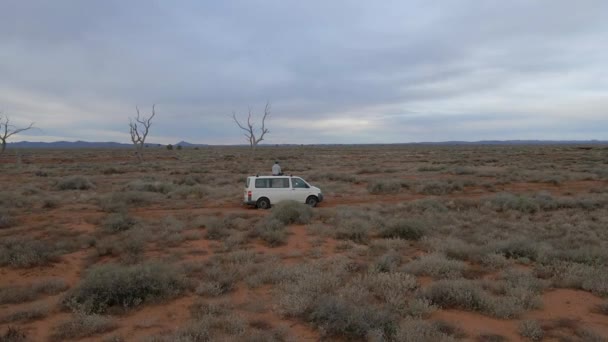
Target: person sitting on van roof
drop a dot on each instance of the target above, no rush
(276, 169)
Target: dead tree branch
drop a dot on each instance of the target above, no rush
(249, 129)
(139, 129)
(7, 130)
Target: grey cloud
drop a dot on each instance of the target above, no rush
(199, 61)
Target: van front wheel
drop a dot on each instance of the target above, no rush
(263, 203)
(312, 201)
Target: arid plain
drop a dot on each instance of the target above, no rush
(412, 243)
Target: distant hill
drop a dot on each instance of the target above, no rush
(85, 144)
(110, 144)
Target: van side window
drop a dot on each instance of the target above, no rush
(261, 183)
(279, 183)
(298, 183)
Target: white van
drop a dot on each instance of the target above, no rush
(262, 191)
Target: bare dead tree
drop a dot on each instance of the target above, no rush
(250, 131)
(139, 131)
(7, 130)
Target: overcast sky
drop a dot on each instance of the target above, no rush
(334, 71)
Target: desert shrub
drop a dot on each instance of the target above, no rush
(13, 334)
(578, 276)
(457, 294)
(507, 201)
(272, 231)
(336, 316)
(150, 186)
(21, 294)
(119, 201)
(334, 177)
(83, 325)
(417, 308)
(470, 295)
(216, 229)
(427, 204)
(10, 199)
(354, 229)
(26, 252)
(112, 171)
(50, 202)
(518, 248)
(74, 183)
(391, 288)
(128, 246)
(118, 222)
(404, 229)
(385, 186)
(387, 262)
(210, 323)
(531, 329)
(439, 187)
(431, 168)
(290, 212)
(490, 337)
(31, 313)
(436, 266)
(462, 170)
(187, 191)
(602, 308)
(6, 220)
(300, 286)
(113, 285)
(414, 330)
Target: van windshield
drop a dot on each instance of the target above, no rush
(299, 183)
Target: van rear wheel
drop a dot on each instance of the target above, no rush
(312, 201)
(263, 203)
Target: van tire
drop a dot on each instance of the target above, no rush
(263, 203)
(312, 201)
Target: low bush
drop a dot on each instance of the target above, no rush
(118, 222)
(414, 330)
(509, 302)
(26, 252)
(507, 201)
(404, 229)
(531, 329)
(111, 285)
(602, 308)
(457, 294)
(438, 188)
(22, 294)
(6, 220)
(385, 186)
(31, 313)
(436, 266)
(353, 229)
(112, 171)
(216, 229)
(272, 231)
(290, 212)
(336, 316)
(74, 183)
(151, 186)
(83, 325)
(13, 334)
(518, 248)
(119, 201)
(387, 262)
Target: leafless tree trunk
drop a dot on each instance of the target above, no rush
(139, 131)
(250, 133)
(7, 130)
